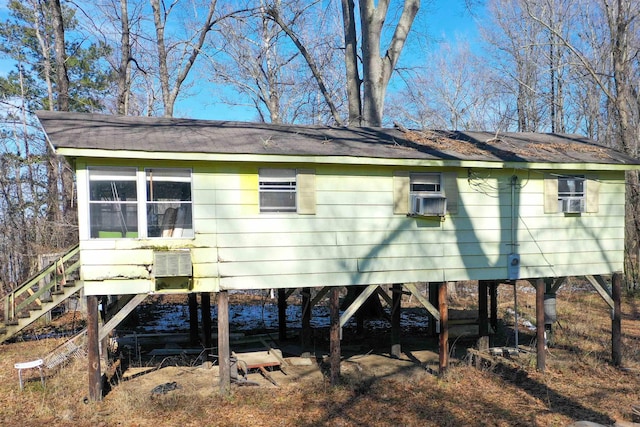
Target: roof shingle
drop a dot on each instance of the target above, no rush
(153, 134)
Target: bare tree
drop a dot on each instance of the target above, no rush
(275, 12)
(517, 53)
(452, 89)
(378, 63)
(366, 93)
(260, 60)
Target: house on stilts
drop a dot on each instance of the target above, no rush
(169, 205)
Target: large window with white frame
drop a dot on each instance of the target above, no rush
(277, 190)
(113, 202)
(168, 202)
(118, 201)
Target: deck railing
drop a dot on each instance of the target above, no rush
(49, 281)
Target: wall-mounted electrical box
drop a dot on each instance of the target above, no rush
(513, 269)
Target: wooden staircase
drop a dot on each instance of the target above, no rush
(40, 294)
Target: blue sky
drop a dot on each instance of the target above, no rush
(441, 21)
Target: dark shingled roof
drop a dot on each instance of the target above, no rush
(153, 134)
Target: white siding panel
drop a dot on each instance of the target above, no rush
(336, 183)
(204, 225)
(120, 257)
(204, 255)
(203, 212)
(356, 198)
(118, 287)
(287, 267)
(206, 284)
(276, 240)
(202, 270)
(429, 263)
(104, 272)
(327, 252)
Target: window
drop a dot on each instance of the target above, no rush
(115, 203)
(571, 194)
(426, 197)
(277, 190)
(426, 184)
(169, 203)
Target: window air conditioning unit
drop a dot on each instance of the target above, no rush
(573, 205)
(428, 206)
(172, 264)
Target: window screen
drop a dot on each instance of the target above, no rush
(277, 189)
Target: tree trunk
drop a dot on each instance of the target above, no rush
(351, 64)
(377, 69)
(61, 57)
(124, 72)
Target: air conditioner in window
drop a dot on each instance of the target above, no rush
(172, 264)
(428, 205)
(573, 205)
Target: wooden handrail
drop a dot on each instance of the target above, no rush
(12, 309)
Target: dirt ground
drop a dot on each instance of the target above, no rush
(375, 390)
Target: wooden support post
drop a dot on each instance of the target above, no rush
(483, 315)
(616, 320)
(334, 335)
(493, 295)
(444, 328)
(433, 300)
(306, 318)
(224, 352)
(193, 319)
(282, 314)
(93, 349)
(540, 348)
(396, 309)
(205, 308)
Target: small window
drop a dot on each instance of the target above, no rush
(571, 194)
(277, 188)
(426, 197)
(426, 184)
(113, 203)
(169, 203)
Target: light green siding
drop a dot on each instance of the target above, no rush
(354, 230)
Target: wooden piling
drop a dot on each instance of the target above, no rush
(334, 334)
(616, 320)
(493, 295)
(93, 349)
(205, 308)
(282, 314)
(396, 302)
(224, 352)
(306, 318)
(433, 300)
(193, 318)
(483, 315)
(540, 349)
(444, 328)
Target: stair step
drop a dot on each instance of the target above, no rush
(46, 300)
(57, 292)
(11, 322)
(23, 315)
